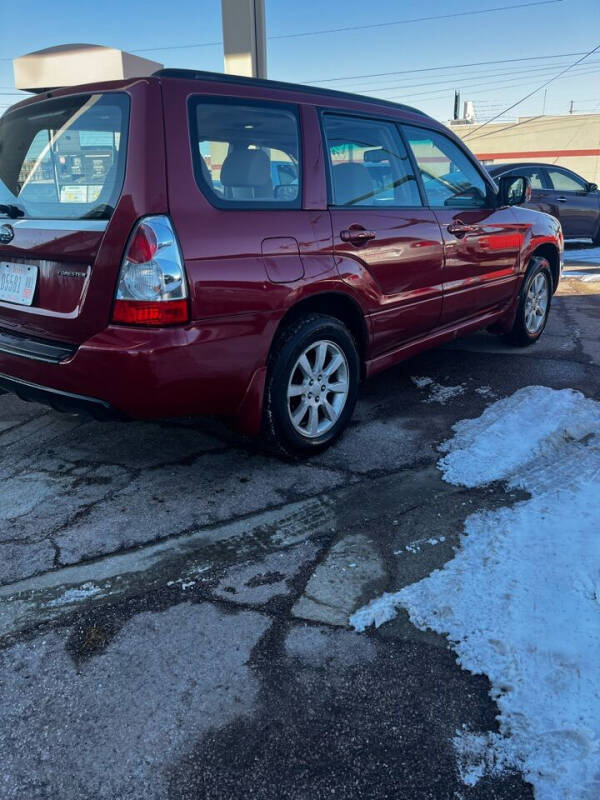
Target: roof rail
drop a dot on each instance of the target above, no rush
(200, 75)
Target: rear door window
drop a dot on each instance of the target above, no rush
(450, 178)
(246, 155)
(368, 164)
(65, 158)
(565, 182)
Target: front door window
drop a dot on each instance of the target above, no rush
(450, 178)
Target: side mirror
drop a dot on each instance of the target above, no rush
(514, 190)
(591, 187)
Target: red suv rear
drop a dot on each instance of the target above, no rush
(193, 243)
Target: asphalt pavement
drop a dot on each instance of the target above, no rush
(174, 604)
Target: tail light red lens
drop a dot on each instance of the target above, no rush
(143, 245)
(139, 312)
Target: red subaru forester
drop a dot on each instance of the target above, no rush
(194, 243)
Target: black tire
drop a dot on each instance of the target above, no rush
(279, 432)
(521, 335)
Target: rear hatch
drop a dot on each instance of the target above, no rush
(66, 209)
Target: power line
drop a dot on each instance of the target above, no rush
(461, 80)
(535, 91)
(490, 72)
(446, 66)
(324, 31)
(414, 19)
(478, 89)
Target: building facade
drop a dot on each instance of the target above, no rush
(571, 141)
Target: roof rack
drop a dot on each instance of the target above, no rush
(200, 75)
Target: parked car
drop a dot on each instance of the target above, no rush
(574, 201)
(162, 270)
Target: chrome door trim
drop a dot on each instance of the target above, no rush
(59, 224)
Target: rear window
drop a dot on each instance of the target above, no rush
(246, 155)
(65, 158)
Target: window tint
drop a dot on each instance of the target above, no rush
(450, 178)
(65, 158)
(565, 183)
(535, 175)
(368, 164)
(247, 154)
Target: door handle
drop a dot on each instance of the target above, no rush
(357, 235)
(562, 199)
(460, 229)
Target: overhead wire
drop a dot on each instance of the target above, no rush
(325, 31)
(537, 89)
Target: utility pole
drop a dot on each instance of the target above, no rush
(571, 107)
(244, 38)
(456, 103)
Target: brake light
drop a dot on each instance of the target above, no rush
(143, 246)
(136, 312)
(152, 288)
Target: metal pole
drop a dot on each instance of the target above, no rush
(244, 38)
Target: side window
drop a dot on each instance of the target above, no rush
(246, 154)
(535, 175)
(368, 164)
(449, 177)
(565, 183)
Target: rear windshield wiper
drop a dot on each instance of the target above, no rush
(13, 211)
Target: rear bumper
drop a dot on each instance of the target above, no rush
(61, 401)
(145, 374)
(17, 344)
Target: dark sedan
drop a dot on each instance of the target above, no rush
(567, 196)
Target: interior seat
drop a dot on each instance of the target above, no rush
(246, 175)
(352, 183)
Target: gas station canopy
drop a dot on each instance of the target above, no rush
(72, 64)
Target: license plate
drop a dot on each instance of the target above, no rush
(17, 283)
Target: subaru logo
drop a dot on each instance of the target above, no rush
(6, 234)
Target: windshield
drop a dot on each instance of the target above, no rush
(64, 158)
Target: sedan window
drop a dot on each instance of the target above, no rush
(563, 182)
(535, 175)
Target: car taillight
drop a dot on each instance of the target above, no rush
(152, 289)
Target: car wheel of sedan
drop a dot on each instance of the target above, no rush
(534, 304)
(312, 385)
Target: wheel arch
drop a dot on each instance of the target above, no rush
(551, 254)
(334, 304)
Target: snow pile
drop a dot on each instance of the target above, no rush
(531, 431)
(521, 600)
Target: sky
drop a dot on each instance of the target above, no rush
(424, 59)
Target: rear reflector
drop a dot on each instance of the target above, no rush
(157, 312)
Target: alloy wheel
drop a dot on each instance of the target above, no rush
(536, 303)
(318, 388)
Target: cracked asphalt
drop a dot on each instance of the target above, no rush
(174, 604)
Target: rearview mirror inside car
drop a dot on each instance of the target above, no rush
(514, 190)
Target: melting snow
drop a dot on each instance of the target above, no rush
(437, 392)
(73, 595)
(520, 601)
